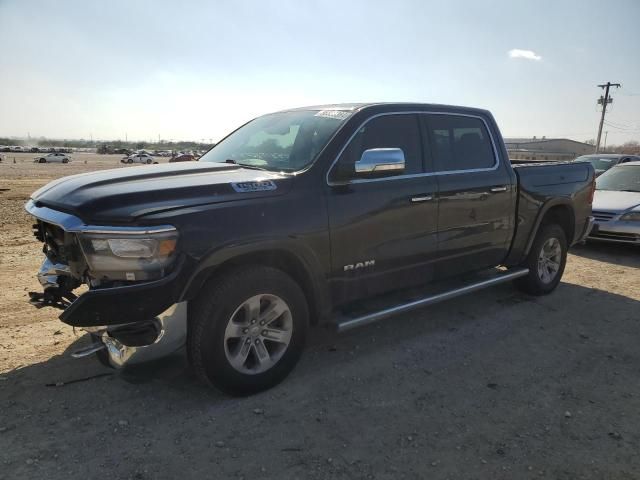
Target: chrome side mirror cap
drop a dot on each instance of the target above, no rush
(380, 160)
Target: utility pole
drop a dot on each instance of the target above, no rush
(604, 101)
(606, 134)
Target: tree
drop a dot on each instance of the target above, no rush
(631, 147)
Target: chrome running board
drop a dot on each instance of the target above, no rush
(347, 323)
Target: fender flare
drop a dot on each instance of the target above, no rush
(320, 299)
(555, 202)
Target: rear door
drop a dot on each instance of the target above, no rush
(477, 194)
(383, 228)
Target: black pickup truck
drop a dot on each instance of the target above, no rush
(338, 215)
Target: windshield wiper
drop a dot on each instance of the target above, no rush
(255, 167)
(244, 165)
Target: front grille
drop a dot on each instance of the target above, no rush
(58, 246)
(603, 216)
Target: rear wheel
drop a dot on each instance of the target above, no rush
(247, 330)
(546, 261)
(43, 160)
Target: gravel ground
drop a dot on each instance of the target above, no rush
(495, 385)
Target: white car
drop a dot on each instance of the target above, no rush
(53, 158)
(138, 158)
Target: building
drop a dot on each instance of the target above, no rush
(546, 148)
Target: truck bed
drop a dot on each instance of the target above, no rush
(546, 185)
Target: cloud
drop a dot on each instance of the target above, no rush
(526, 54)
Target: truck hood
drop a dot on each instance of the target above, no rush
(615, 202)
(122, 195)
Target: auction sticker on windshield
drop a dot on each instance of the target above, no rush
(337, 114)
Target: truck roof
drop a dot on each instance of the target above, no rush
(388, 105)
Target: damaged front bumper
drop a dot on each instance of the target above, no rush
(135, 321)
(143, 341)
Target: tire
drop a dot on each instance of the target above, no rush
(129, 160)
(42, 160)
(550, 243)
(224, 336)
(148, 162)
(65, 160)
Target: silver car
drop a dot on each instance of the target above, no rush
(604, 161)
(616, 205)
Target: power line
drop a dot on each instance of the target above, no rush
(624, 128)
(604, 101)
(627, 93)
(617, 123)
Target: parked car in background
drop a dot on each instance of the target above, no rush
(616, 205)
(604, 161)
(53, 158)
(138, 158)
(163, 153)
(183, 157)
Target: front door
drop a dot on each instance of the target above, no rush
(383, 226)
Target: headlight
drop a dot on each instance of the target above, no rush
(631, 217)
(129, 254)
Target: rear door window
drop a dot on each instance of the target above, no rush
(460, 143)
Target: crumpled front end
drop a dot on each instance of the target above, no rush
(132, 278)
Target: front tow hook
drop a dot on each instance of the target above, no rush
(90, 350)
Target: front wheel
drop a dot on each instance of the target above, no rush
(42, 160)
(546, 261)
(247, 329)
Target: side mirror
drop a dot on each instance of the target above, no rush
(380, 160)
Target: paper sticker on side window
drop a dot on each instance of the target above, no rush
(259, 186)
(337, 114)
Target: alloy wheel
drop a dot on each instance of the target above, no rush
(549, 260)
(258, 334)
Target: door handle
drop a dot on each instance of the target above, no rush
(499, 189)
(421, 198)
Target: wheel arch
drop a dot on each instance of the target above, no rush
(560, 212)
(303, 270)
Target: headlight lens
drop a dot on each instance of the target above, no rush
(127, 255)
(631, 217)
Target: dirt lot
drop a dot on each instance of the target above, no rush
(496, 385)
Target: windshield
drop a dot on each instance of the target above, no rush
(282, 142)
(624, 178)
(599, 163)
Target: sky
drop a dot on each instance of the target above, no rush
(195, 70)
